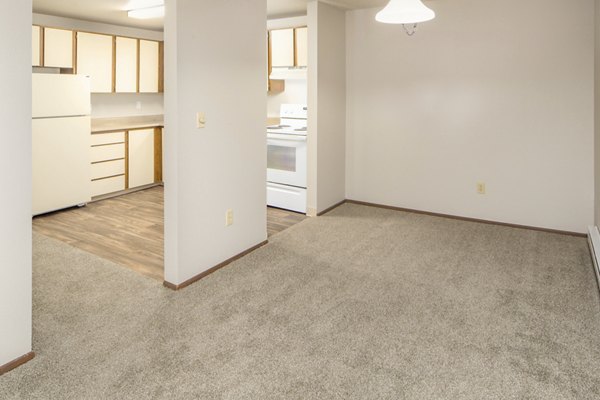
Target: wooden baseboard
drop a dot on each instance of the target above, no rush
(16, 363)
(213, 269)
(482, 221)
(333, 207)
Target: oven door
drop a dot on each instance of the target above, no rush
(286, 159)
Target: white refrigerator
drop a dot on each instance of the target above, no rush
(61, 171)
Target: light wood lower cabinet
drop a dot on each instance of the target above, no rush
(125, 160)
(108, 163)
(108, 152)
(108, 185)
(141, 157)
(108, 138)
(108, 169)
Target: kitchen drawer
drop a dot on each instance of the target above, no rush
(107, 138)
(108, 168)
(108, 152)
(108, 185)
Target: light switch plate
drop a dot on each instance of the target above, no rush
(200, 120)
(480, 187)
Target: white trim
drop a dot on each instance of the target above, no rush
(594, 242)
(286, 23)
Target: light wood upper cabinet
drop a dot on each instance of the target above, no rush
(288, 47)
(94, 58)
(282, 47)
(35, 46)
(126, 65)
(58, 48)
(301, 47)
(141, 157)
(114, 63)
(149, 67)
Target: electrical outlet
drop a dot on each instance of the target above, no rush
(480, 187)
(200, 120)
(138, 105)
(229, 217)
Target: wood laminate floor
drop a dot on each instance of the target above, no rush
(279, 220)
(129, 229)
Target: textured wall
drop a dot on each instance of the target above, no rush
(480, 94)
(215, 63)
(15, 161)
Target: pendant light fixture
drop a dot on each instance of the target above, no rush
(405, 12)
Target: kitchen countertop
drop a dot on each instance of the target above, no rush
(126, 123)
(273, 121)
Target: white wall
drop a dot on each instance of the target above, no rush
(283, 23)
(296, 92)
(95, 27)
(481, 93)
(215, 63)
(326, 106)
(15, 160)
(112, 104)
(125, 104)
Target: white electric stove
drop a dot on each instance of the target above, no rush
(287, 159)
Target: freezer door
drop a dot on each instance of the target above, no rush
(56, 95)
(61, 163)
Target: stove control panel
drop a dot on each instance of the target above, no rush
(299, 111)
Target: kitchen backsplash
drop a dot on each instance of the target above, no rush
(106, 105)
(295, 93)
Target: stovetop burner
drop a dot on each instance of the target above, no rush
(292, 121)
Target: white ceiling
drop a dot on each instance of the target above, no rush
(108, 11)
(114, 11)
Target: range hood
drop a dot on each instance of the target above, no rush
(285, 73)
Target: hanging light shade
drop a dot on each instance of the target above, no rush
(405, 12)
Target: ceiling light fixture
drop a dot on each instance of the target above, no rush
(405, 12)
(147, 13)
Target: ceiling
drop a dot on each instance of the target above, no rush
(113, 11)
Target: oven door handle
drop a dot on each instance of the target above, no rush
(291, 138)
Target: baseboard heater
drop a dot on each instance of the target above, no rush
(594, 241)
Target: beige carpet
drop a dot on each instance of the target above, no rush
(362, 303)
